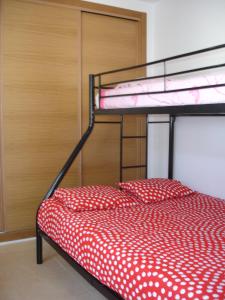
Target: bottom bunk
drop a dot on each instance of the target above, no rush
(154, 239)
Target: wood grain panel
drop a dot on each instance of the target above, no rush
(98, 8)
(17, 235)
(107, 43)
(131, 174)
(41, 107)
(1, 154)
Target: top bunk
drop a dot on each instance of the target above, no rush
(190, 83)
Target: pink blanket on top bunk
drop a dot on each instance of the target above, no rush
(197, 96)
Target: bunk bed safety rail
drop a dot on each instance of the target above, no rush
(102, 85)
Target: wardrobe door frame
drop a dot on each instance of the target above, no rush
(82, 6)
(1, 130)
(113, 11)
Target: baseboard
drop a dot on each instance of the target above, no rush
(17, 235)
(6, 243)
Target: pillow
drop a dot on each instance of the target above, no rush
(94, 198)
(155, 189)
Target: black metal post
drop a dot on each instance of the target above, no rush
(171, 146)
(39, 247)
(121, 148)
(99, 91)
(146, 148)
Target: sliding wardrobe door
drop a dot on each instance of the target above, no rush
(1, 215)
(41, 103)
(107, 43)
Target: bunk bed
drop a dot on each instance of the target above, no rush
(186, 262)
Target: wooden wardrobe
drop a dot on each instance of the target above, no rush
(48, 48)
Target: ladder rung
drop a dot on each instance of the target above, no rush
(107, 122)
(136, 166)
(158, 122)
(134, 137)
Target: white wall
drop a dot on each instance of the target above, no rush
(182, 26)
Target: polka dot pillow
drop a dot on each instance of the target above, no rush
(155, 189)
(94, 198)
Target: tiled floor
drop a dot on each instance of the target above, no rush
(22, 279)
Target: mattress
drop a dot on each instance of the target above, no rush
(191, 97)
(172, 249)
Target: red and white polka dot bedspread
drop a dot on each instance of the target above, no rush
(173, 249)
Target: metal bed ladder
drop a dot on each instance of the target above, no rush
(125, 137)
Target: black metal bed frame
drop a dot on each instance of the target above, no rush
(173, 111)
